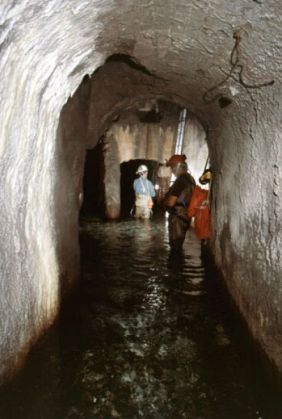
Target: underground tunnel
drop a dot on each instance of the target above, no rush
(71, 88)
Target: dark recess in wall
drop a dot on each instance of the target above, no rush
(224, 101)
(94, 197)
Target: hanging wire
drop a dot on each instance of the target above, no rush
(235, 65)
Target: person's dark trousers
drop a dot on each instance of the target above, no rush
(178, 225)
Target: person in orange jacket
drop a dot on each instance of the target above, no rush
(199, 207)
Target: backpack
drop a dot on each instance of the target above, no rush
(199, 209)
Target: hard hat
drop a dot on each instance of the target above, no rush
(175, 159)
(142, 168)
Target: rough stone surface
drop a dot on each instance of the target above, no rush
(47, 48)
(70, 157)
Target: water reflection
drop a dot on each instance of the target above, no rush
(145, 337)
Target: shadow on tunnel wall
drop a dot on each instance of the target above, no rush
(93, 188)
(128, 174)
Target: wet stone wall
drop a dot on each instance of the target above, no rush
(247, 224)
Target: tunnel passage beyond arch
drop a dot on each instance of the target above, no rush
(146, 128)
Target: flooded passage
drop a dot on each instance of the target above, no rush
(147, 335)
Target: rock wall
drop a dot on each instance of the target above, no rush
(41, 66)
(69, 168)
(216, 58)
(247, 216)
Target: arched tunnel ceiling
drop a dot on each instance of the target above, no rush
(186, 48)
(120, 84)
(187, 45)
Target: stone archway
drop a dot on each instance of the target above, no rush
(132, 136)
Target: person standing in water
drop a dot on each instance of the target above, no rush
(144, 194)
(177, 199)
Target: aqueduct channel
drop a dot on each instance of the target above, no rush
(220, 59)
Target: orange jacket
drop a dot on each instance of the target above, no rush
(199, 209)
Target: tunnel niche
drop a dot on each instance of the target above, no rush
(93, 186)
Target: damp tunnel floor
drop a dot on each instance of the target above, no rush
(146, 335)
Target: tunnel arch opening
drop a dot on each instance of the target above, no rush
(148, 130)
(124, 96)
(120, 113)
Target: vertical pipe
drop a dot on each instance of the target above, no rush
(180, 136)
(180, 131)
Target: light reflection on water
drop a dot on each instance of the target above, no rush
(145, 337)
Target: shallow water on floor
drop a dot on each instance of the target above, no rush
(147, 335)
